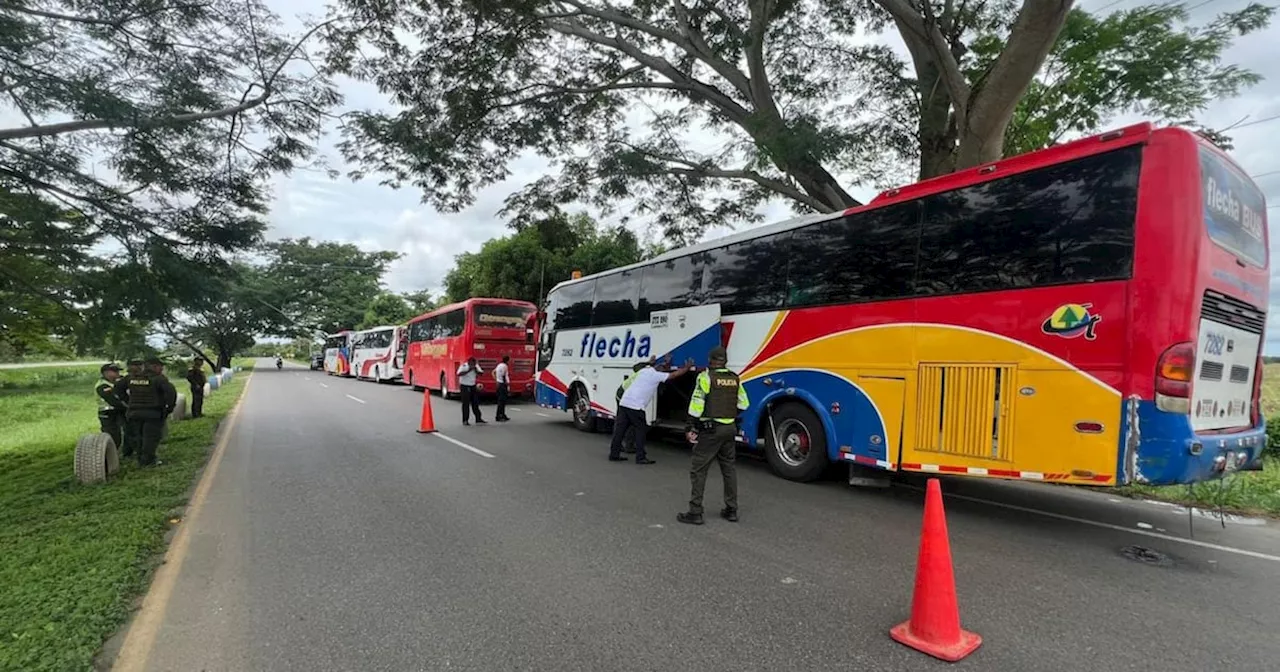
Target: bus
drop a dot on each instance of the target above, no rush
(1091, 313)
(378, 354)
(441, 340)
(337, 353)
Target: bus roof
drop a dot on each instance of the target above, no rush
(380, 328)
(1015, 164)
(472, 301)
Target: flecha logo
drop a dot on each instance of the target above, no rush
(1071, 320)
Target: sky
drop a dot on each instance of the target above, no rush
(381, 218)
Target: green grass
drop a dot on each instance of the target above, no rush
(75, 557)
(1251, 492)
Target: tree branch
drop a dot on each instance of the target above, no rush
(697, 169)
(915, 28)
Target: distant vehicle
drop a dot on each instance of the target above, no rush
(441, 340)
(1091, 313)
(317, 361)
(378, 354)
(337, 354)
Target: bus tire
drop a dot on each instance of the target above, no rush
(444, 388)
(798, 449)
(580, 408)
(416, 387)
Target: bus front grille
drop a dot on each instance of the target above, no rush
(1224, 309)
(966, 410)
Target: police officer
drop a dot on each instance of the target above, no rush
(197, 380)
(131, 440)
(718, 398)
(151, 398)
(110, 408)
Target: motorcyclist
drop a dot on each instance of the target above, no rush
(279, 362)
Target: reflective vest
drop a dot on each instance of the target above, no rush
(718, 395)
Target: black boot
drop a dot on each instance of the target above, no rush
(690, 518)
(730, 515)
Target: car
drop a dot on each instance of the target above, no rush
(317, 361)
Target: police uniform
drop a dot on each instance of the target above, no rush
(197, 380)
(718, 398)
(110, 408)
(151, 398)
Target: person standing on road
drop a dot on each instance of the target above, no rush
(197, 379)
(502, 376)
(467, 374)
(151, 400)
(631, 416)
(718, 399)
(110, 407)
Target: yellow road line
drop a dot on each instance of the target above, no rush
(141, 637)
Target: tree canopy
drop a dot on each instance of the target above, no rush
(315, 287)
(149, 130)
(541, 253)
(698, 111)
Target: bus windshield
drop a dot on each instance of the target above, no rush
(1234, 209)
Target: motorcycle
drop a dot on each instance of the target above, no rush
(279, 363)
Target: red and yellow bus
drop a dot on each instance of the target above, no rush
(1092, 313)
(441, 340)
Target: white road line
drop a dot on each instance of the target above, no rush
(1120, 528)
(355, 399)
(306, 377)
(542, 415)
(323, 385)
(473, 449)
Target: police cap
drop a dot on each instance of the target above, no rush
(109, 366)
(153, 361)
(135, 362)
(718, 354)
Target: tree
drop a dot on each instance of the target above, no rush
(527, 263)
(419, 302)
(745, 102)
(150, 129)
(319, 287)
(387, 308)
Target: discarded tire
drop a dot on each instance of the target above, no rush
(179, 409)
(96, 458)
(207, 388)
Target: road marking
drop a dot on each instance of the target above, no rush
(323, 385)
(355, 399)
(473, 449)
(517, 409)
(307, 377)
(141, 638)
(543, 415)
(1118, 528)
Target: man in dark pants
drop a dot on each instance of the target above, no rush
(131, 439)
(638, 392)
(110, 408)
(197, 380)
(718, 398)
(467, 374)
(502, 376)
(151, 400)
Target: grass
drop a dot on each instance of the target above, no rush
(76, 556)
(1251, 492)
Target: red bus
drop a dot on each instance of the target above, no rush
(441, 340)
(1092, 313)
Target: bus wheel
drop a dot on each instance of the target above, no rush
(581, 405)
(444, 388)
(797, 451)
(416, 387)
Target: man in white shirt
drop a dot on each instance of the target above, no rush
(502, 376)
(631, 415)
(467, 382)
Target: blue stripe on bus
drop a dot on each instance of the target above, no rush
(1165, 441)
(850, 430)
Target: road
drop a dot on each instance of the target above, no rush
(333, 537)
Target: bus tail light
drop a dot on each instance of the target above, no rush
(1257, 392)
(1173, 378)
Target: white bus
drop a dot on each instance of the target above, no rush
(378, 354)
(337, 354)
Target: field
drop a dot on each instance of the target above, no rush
(75, 556)
(1256, 492)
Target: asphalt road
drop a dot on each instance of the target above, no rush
(333, 537)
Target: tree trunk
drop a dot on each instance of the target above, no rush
(224, 359)
(936, 127)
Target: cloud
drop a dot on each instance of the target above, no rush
(376, 217)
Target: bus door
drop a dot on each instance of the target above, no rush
(682, 333)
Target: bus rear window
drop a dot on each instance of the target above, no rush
(501, 317)
(1234, 210)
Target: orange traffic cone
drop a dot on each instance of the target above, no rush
(934, 627)
(428, 423)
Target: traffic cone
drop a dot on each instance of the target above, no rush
(428, 423)
(934, 626)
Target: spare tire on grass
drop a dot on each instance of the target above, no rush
(96, 458)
